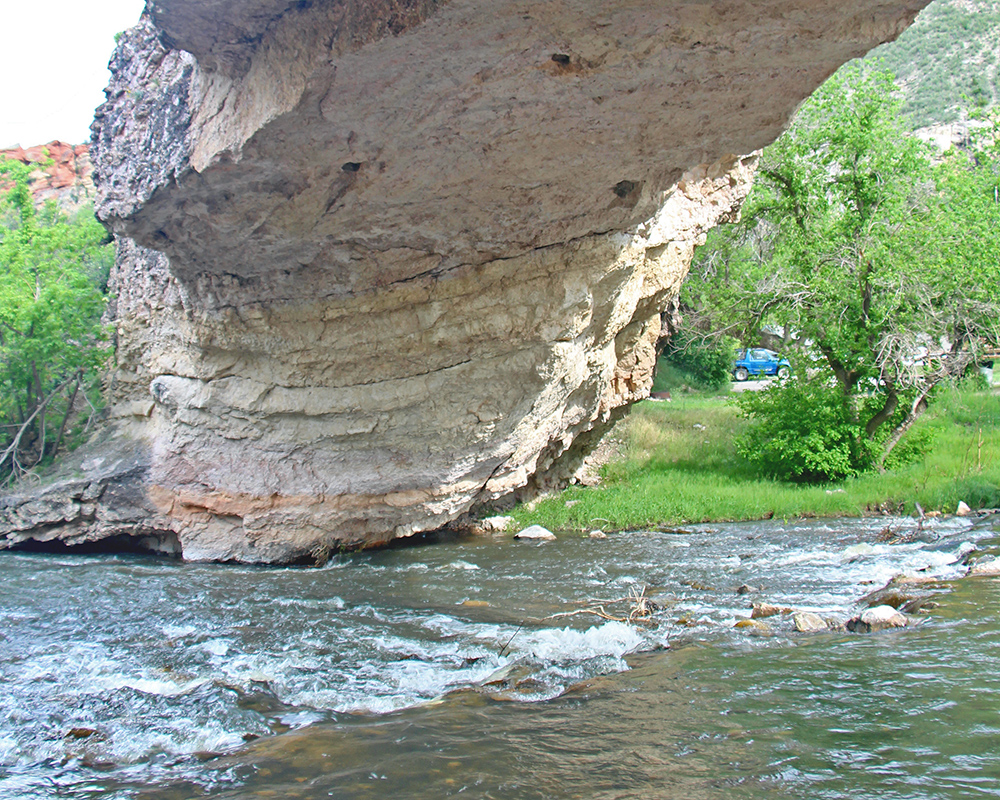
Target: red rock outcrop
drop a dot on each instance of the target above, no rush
(68, 179)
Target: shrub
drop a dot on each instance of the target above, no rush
(708, 362)
(804, 431)
(809, 431)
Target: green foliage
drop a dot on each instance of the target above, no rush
(882, 259)
(915, 445)
(807, 431)
(802, 431)
(52, 275)
(708, 361)
(669, 378)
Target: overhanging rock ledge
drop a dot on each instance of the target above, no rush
(382, 262)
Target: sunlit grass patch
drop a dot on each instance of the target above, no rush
(680, 466)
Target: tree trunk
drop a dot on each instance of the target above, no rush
(69, 412)
(916, 410)
(11, 451)
(37, 384)
(887, 410)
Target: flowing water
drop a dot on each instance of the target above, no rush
(497, 669)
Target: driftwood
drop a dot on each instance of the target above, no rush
(639, 610)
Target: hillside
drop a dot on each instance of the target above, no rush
(947, 60)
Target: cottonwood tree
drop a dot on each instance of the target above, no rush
(52, 274)
(882, 259)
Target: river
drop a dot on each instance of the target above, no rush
(482, 668)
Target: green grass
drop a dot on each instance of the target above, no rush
(679, 466)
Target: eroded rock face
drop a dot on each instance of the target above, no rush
(381, 263)
(101, 501)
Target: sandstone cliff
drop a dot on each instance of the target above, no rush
(383, 262)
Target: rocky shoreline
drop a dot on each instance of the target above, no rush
(898, 604)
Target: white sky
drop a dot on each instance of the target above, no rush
(54, 66)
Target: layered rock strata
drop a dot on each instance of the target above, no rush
(383, 262)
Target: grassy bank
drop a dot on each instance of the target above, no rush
(678, 465)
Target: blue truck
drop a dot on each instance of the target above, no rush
(760, 361)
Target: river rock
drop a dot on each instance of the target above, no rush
(764, 610)
(878, 618)
(80, 733)
(963, 509)
(986, 567)
(597, 535)
(384, 264)
(535, 532)
(754, 626)
(497, 524)
(807, 622)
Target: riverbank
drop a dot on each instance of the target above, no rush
(676, 464)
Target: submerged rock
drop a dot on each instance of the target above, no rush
(906, 601)
(754, 626)
(382, 264)
(807, 622)
(889, 595)
(987, 567)
(918, 605)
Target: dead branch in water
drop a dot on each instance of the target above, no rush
(640, 608)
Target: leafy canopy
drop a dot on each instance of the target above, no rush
(882, 259)
(53, 271)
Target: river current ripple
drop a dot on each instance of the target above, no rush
(460, 667)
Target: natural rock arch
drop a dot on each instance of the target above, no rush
(380, 262)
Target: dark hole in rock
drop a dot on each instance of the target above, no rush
(351, 166)
(160, 544)
(318, 558)
(560, 58)
(624, 188)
